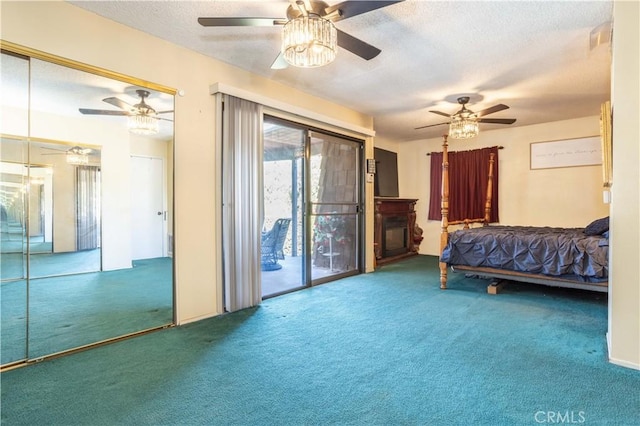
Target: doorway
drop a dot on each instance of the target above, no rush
(148, 208)
(312, 207)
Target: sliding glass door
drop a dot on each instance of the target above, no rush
(312, 207)
(283, 260)
(334, 200)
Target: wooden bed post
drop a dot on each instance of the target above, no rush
(487, 204)
(444, 205)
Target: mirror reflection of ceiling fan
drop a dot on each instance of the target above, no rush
(467, 114)
(312, 9)
(141, 108)
(74, 155)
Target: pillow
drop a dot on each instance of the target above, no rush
(597, 227)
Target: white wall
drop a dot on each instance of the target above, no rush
(564, 197)
(624, 292)
(64, 30)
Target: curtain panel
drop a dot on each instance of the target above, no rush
(87, 207)
(468, 174)
(242, 209)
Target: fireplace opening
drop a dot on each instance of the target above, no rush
(394, 236)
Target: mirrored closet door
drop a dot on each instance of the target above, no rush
(74, 155)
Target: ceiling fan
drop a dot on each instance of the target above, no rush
(140, 109)
(315, 8)
(74, 155)
(73, 150)
(466, 113)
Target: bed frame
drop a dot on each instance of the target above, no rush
(498, 274)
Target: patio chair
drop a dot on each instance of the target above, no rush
(273, 243)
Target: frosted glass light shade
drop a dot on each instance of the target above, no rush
(77, 159)
(463, 127)
(309, 42)
(143, 124)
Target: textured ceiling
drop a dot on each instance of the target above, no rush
(533, 56)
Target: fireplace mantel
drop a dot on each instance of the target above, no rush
(394, 229)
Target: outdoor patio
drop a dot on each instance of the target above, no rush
(290, 276)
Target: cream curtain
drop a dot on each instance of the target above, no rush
(87, 207)
(242, 210)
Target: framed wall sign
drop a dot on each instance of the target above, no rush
(585, 151)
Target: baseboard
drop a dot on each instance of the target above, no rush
(619, 362)
(196, 319)
(626, 364)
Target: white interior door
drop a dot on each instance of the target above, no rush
(147, 207)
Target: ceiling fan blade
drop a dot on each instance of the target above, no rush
(357, 46)
(491, 110)
(118, 103)
(102, 112)
(497, 120)
(165, 119)
(430, 125)
(241, 22)
(441, 113)
(279, 63)
(54, 149)
(348, 9)
(164, 112)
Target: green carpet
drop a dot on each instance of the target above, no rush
(50, 264)
(387, 348)
(69, 311)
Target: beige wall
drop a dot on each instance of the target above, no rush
(116, 145)
(387, 144)
(565, 197)
(624, 294)
(64, 30)
(569, 196)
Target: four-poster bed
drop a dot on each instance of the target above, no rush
(561, 257)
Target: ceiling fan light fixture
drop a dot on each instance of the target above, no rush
(143, 124)
(78, 156)
(463, 127)
(77, 159)
(309, 41)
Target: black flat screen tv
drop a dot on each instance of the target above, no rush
(386, 177)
